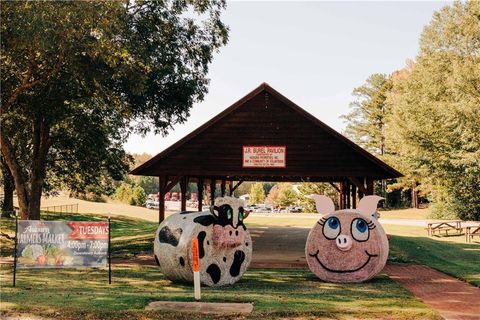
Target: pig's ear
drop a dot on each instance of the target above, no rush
(323, 204)
(368, 205)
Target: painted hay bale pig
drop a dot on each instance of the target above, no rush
(346, 245)
(225, 245)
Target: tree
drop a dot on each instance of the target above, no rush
(138, 197)
(286, 195)
(272, 198)
(78, 77)
(8, 188)
(367, 120)
(308, 188)
(434, 122)
(257, 194)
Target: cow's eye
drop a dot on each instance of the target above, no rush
(331, 228)
(360, 230)
(229, 213)
(240, 215)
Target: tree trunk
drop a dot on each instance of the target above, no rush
(29, 193)
(41, 145)
(8, 188)
(414, 196)
(17, 174)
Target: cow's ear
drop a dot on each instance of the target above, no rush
(214, 211)
(245, 213)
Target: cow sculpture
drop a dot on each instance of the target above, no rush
(346, 245)
(225, 245)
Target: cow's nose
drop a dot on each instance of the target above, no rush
(344, 242)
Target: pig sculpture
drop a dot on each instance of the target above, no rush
(225, 245)
(346, 245)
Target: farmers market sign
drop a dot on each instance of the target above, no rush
(62, 244)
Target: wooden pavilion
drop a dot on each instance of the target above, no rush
(265, 137)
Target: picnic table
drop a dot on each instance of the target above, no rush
(472, 231)
(444, 226)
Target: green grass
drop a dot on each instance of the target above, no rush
(275, 294)
(450, 255)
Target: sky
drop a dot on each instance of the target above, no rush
(314, 53)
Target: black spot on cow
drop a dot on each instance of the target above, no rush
(215, 273)
(156, 260)
(246, 243)
(186, 212)
(201, 251)
(182, 261)
(170, 236)
(208, 243)
(238, 259)
(224, 259)
(205, 220)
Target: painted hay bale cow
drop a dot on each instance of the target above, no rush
(347, 245)
(225, 245)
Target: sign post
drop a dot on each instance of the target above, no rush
(196, 269)
(15, 253)
(109, 255)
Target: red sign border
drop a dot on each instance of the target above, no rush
(263, 167)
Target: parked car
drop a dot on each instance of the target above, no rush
(295, 209)
(152, 204)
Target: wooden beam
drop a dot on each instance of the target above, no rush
(162, 184)
(359, 184)
(369, 182)
(172, 183)
(354, 196)
(342, 198)
(183, 190)
(335, 186)
(235, 187)
(222, 187)
(200, 194)
(213, 186)
(347, 194)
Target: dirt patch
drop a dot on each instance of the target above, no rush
(202, 307)
(452, 298)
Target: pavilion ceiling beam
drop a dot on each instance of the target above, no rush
(235, 186)
(334, 186)
(361, 187)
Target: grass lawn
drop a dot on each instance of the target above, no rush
(275, 293)
(85, 294)
(450, 255)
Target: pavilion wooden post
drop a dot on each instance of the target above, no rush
(342, 198)
(347, 193)
(200, 194)
(212, 191)
(162, 187)
(354, 196)
(369, 185)
(183, 189)
(222, 187)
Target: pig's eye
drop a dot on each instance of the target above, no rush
(331, 228)
(360, 230)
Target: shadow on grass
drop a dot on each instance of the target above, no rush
(275, 293)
